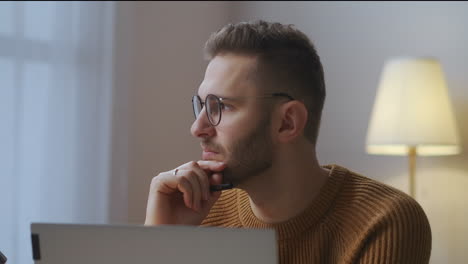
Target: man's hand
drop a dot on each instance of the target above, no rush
(182, 196)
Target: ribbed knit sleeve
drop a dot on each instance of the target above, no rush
(354, 219)
(401, 235)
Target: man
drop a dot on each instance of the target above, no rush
(257, 114)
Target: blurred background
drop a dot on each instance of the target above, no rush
(95, 100)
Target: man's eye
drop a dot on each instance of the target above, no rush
(225, 107)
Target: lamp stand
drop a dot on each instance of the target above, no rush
(412, 169)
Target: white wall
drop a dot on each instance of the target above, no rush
(159, 66)
(354, 39)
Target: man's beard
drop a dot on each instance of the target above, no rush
(251, 155)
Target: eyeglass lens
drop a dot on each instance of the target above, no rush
(213, 108)
(197, 106)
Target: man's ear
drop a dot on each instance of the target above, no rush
(293, 119)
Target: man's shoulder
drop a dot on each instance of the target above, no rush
(358, 187)
(381, 216)
(378, 202)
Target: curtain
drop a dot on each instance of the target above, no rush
(55, 117)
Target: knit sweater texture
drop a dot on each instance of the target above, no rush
(353, 219)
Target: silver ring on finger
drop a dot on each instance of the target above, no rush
(174, 172)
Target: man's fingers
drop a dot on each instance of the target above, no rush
(202, 189)
(182, 182)
(195, 185)
(204, 168)
(182, 195)
(193, 180)
(216, 178)
(204, 182)
(184, 186)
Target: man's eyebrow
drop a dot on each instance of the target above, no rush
(223, 97)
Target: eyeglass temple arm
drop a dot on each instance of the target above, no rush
(283, 95)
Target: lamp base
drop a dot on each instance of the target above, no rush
(412, 169)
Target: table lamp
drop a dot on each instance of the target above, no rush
(412, 113)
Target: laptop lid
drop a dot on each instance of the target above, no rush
(134, 244)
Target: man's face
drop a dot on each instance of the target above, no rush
(242, 138)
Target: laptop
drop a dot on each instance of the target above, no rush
(135, 244)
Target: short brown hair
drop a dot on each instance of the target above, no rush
(286, 62)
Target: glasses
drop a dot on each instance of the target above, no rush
(214, 105)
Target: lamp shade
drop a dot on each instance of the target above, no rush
(412, 109)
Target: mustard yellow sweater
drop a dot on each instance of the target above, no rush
(354, 219)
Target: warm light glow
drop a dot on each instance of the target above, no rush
(423, 150)
(412, 108)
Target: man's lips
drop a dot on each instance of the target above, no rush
(209, 152)
(209, 155)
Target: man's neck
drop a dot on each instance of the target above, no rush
(287, 189)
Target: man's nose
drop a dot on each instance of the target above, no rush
(202, 127)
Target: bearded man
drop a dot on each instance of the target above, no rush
(258, 114)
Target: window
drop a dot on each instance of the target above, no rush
(55, 114)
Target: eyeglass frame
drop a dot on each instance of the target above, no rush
(220, 101)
